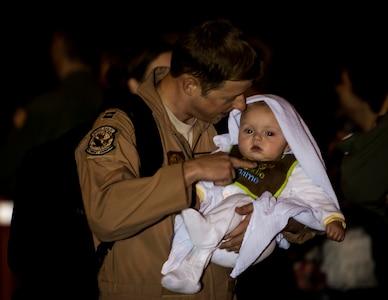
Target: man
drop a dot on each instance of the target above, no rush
(212, 65)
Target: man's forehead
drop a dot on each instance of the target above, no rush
(232, 89)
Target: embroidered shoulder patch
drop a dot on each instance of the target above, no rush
(101, 140)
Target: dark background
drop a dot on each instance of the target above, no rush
(307, 41)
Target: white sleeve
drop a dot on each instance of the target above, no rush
(301, 189)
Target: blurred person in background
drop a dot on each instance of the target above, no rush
(153, 53)
(74, 58)
(137, 60)
(361, 149)
(128, 67)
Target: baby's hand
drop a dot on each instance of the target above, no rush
(335, 231)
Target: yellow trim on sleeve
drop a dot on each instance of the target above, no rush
(334, 217)
(200, 192)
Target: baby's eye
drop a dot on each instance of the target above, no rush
(269, 133)
(248, 131)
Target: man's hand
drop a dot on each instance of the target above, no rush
(234, 239)
(218, 167)
(237, 163)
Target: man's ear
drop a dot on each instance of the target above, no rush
(133, 84)
(190, 84)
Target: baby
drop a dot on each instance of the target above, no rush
(289, 182)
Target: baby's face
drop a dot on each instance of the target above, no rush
(260, 136)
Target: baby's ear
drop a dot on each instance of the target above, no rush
(287, 148)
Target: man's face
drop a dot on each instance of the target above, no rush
(217, 104)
